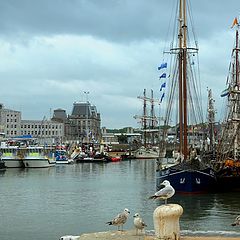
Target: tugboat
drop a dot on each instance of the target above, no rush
(190, 174)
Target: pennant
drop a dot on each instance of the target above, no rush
(162, 97)
(235, 22)
(163, 86)
(164, 75)
(163, 65)
(225, 93)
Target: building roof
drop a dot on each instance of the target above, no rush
(84, 109)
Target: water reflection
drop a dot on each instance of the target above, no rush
(78, 198)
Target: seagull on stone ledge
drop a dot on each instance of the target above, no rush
(138, 222)
(120, 219)
(167, 192)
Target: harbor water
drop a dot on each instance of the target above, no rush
(45, 204)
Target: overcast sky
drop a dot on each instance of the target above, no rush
(51, 51)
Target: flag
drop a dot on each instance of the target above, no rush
(225, 93)
(163, 65)
(162, 86)
(163, 76)
(235, 22)
(162, 97)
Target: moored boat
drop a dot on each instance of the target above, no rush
(61, 156)
(38, 156)
(11, 156)
(146, 153)
(190, 174)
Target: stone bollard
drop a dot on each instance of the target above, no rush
(166, 221)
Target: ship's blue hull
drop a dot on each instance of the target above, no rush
(188, 180)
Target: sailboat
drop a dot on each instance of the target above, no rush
(189, 174)
(228, 151)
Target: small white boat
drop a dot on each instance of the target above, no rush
(146, 153)
(39, 157)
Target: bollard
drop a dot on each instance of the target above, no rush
(166, 221)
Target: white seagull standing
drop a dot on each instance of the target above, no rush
(167, 192)
(138, 222)
(237, 221)
(120, 219)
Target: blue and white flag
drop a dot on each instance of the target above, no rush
(163, 86)
(162, 97)
(163, 65)
(164, 75)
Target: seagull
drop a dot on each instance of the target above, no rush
(138, 223)
(164, 193)
(69, 237)
(120, 219)
(237, 221)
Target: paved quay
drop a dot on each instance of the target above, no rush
(131, 235)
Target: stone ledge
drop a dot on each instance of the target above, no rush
(131, 235)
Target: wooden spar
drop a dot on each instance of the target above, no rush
(144, 118)
(183, 78)
(152, 116)
(237, 65)
(185, 128)
(236, 87)
(180, 36)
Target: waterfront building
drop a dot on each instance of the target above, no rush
(10, 122)
(12, 125)
(84, 123)
(48, 130)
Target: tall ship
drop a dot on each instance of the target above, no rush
(148, 148)
(228, 150)
(189, 174)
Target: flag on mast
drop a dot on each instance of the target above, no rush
(235, 22)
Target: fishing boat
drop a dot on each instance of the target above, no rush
(11, 156)
(61, 156)
(228, 150)
(190, 174)
(38, 156)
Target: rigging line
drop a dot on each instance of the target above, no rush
(192, 82)
(199, 83)
(168, 28)
(194, 87)
(192, 22)
(191, 105)
(172, 91)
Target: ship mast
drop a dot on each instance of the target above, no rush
(211, 121)
(183, 78)
(148, 120)
(144, 118)
(236, 99)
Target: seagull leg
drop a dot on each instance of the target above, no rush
(165, 201)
